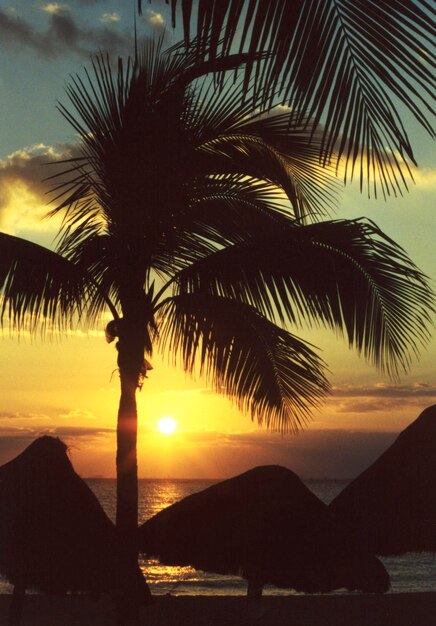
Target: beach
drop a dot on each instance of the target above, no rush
(404, 609)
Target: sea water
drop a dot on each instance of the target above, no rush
(409, 572)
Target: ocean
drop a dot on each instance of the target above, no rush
(409, 572)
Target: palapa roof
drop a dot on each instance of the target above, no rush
(391, 507)
(266, 526)
(54, 535)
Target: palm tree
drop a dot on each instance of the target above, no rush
(197, 223)
(350, 65)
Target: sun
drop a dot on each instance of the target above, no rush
(167, 425)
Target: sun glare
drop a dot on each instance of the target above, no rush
(167, 425)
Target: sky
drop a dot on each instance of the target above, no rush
(69, 387)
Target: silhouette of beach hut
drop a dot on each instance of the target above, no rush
(391, 507)
(266, 526)
(54, 535)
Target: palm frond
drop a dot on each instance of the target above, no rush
(220, 210)
(310, 188)
(344, 63)
(41, 289)
(135, 135)
(272, 143)
(346, 274)
(270, 373)
(353, 68)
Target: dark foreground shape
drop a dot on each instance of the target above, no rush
(391, 507)
(266, 526)
(54, 535)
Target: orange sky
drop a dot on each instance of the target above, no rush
(70, 388)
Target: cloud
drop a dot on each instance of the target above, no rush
(152, 18)
(63, 34)
(313, 454)
(73, 432)
(384, 390)
(28, 166)
(54, 8)
(110, 18)
(14, 440)
(370, 406)
(8, 415)
(382, 397)
(424, 177)
(190, 392)
(23, 199)
(76, 414)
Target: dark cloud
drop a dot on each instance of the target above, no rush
(311, 454)
(416, 390)
(73, 432)
(63, 34)
(14, 440)
(373, 405)
(382, 398)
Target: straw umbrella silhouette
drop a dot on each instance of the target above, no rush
(391, 507)
(266, 526)
(54, 535)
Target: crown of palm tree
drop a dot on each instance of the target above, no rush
(196, 221)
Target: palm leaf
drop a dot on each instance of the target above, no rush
(346, 274)
(310, 188)
(344, 63)
(272, 144)
(270, 373)
(134, 133)
(39, 288)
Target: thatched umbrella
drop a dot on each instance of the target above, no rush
(54, 535)
(266, 526)
(391, 507)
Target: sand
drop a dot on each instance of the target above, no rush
(405, 609)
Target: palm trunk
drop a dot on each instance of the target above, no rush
(127, 467)
(127, 597)
(131, 589)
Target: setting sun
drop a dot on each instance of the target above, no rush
(167, 425)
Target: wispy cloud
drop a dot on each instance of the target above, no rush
(7, 415)
(189, 392)
(384, 390)
(72, 432)
(78, 414)
(110, 18)
(424, 177)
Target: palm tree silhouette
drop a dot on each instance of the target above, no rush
(351, 66)
(194, 221)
